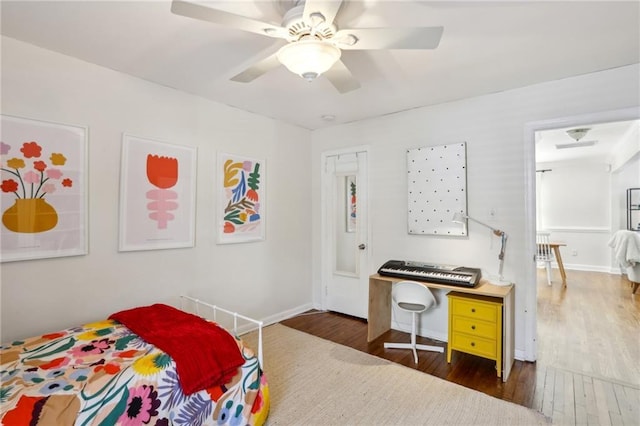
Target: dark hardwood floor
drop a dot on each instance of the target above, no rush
(571, 383)
(466, 370)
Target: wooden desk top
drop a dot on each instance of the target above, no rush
(484, 288)
(557, 244)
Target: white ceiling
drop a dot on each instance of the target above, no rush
(607, 138)
(486, 47)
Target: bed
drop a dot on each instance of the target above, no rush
(151, 365)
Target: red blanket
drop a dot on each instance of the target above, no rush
(205, 354)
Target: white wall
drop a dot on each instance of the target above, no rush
(574, 205)
(494, 128)
(627, 149)
(261, 279)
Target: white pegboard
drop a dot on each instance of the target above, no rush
(437, 188)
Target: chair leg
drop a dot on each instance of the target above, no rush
(430, 348)
(421, 347)
(414, 320)
(413, 345)
(548, 266)
(635, 287)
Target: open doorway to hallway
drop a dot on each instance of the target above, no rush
(587, 348)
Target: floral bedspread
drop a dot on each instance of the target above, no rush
(103, 374)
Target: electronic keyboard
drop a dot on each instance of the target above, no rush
(444, 274)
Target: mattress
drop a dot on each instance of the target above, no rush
(102, 373)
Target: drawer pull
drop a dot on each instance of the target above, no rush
(473, 343)
(473, 327)
(473, 309)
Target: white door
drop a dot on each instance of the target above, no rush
(345, 275)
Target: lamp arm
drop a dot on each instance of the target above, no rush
(503, 247)
(497, 232)
(459, 217)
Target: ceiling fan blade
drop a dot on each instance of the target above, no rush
(203, 13)
(328, 9)
(388, 38)
(257, 69)
(341, 78)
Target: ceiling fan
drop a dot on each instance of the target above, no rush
(313, 43)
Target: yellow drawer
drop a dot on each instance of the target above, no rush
(474, 345)
(474, 309)
(474, 327)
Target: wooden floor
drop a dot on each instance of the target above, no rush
(588, 368)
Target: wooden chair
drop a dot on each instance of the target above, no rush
(544, 252)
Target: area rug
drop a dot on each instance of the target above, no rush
(314, 381)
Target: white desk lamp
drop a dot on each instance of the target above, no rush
(461, 218)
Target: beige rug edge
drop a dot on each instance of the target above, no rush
(314, 381)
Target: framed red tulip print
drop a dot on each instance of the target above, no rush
(157, 195)
(43, 200)
(241, 199)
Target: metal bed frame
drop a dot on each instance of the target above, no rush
(235, 315)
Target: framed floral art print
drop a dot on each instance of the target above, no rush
(157, 195)
(44, 189)
(241, 199)
(351, 202)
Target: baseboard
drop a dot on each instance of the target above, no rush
(275, 318)
(288, 314)
(585, 268)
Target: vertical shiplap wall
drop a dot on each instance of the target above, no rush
(45, 295)
(494, 128)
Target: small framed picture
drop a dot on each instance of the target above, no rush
(351, 202)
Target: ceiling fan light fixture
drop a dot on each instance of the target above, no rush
(308, 57)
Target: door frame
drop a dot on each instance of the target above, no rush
(326, 247)
(530, 129)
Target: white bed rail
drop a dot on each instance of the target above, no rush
(235, 315)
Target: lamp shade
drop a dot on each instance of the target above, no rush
(308, 57)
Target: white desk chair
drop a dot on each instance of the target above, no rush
(415, 298)
(544, 253)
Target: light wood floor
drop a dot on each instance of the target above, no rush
(588, 368)
(591, 327)
(588, 352)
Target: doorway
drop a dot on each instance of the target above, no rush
(345, 232)
(531, 129)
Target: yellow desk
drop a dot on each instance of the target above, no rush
(379, 319)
